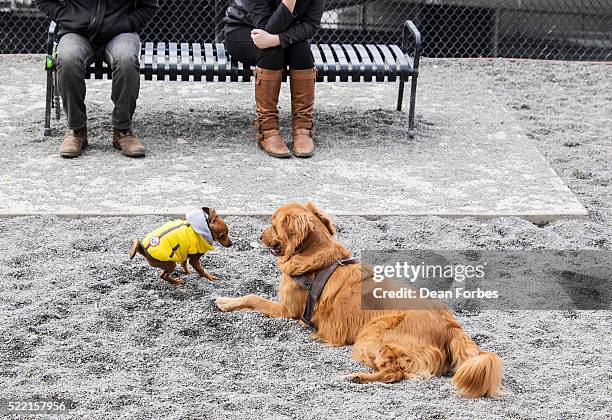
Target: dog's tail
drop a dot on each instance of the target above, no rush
(479, 373)
(135, 248)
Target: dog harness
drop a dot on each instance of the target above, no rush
(315, 285)
(175, 241)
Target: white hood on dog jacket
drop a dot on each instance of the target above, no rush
(199, 222)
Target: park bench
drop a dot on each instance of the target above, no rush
(210, 62)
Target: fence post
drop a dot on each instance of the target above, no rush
(495, 36)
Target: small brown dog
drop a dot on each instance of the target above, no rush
(181, 241)
(397, 344)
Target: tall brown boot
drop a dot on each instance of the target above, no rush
(267, 89)
(302, 103)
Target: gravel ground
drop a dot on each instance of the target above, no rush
(82, 322)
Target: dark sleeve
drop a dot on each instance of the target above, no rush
(280, 20)
(259, 12)
(143, 13)
(305, 27)
(50, 8)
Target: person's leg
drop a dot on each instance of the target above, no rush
(272, 59)
(74, 53)
(302, 77)
(123, 55)
(270, 64)
(240, 46)
(299, 56)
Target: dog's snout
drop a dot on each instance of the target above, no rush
(229, 243)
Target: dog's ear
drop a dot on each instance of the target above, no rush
(211, 213)
(327, 221)
(295, 227)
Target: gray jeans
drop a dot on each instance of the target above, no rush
(122, 53)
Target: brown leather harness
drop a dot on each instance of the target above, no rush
(315, 285)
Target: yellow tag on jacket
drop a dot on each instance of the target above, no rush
(175, 241)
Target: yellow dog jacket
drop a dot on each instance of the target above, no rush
(175, 241)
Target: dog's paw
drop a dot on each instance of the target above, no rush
(212, 277)
(226, 304)
(354, 377)
(174, 280)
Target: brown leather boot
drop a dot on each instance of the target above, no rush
(267, 89)
(302, 103)
(74, 142)
(128, 142)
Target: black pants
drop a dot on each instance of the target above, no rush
(239, 44)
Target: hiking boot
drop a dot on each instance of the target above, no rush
(302, 103)
(74, 142)
(128, 142)
(267, 89)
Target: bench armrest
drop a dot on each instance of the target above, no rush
(411, 31)
(52, 33)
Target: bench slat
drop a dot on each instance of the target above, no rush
(354, 61)
(332, 66)
(160, 61)
(210, 62)
(320, 65)
(228, 63)
(197, 62)
(184, 69)
(390, 62)
(344, 70)
(379, 63)
(148, 61)
(221, 62)
(173, 60)
(367, 63)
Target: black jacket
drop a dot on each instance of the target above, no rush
(274, 17)
(99, 20)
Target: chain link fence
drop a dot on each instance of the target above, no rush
(542, 29)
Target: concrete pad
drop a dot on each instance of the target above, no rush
(470, 157)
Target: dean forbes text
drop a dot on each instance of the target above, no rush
(423, 292)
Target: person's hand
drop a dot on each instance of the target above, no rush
(263, 39)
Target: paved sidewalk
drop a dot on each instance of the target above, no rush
(470, 156)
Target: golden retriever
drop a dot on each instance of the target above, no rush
(397, 344)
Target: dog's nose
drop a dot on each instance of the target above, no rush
(229, 243)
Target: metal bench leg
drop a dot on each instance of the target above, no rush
(49, 104)
(413, 86)
(400, 95)
(57, 104)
